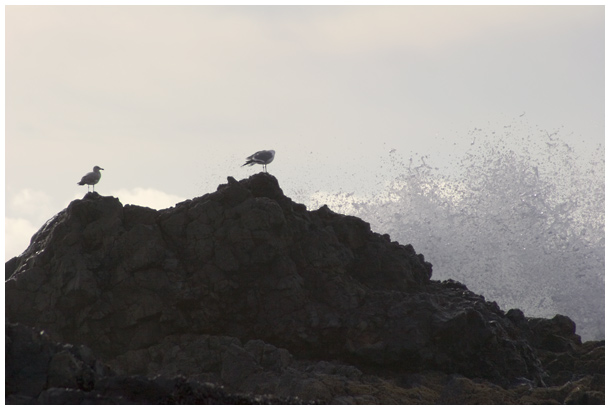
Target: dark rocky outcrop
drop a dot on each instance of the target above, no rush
(247, 289)
(40, 371)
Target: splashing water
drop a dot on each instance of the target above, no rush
(519, 219)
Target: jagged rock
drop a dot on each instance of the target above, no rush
(34, 363)
(556, 335)
(274, 377)
(244, 283)
(40, 371)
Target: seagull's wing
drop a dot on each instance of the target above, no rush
(263, 156)
(90, 178)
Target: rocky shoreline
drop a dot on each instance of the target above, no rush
(242, 296)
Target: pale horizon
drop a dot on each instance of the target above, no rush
(170, 100)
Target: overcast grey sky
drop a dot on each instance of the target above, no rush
(169, 100)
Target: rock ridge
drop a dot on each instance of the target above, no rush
(247, 268)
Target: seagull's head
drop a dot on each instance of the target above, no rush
(96, 168)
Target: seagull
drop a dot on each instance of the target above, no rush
(91, 178)
(261, 157)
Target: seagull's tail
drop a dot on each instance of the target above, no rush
(80, 183)
(250, 162)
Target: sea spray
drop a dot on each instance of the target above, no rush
(518, 217)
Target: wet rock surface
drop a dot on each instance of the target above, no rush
(243, 288)
(40, 371)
